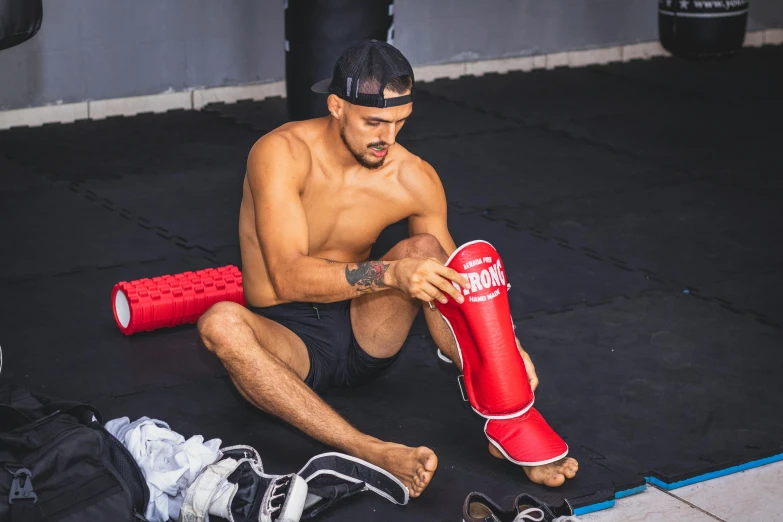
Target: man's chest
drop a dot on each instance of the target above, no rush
(350, 220)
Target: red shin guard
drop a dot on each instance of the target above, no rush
(526, 440)
(495, 379)
(494, 373)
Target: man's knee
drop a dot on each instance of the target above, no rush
(222, 320)
(424, 246)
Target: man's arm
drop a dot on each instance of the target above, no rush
(275, 170)
(430, 217)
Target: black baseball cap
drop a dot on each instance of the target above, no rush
(362, 73)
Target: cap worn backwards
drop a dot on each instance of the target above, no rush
(363, 72)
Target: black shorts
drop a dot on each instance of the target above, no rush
(336, 359)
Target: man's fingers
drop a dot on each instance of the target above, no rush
(531, 372)
(445, 286)
(529, 366)
(428, 292)
(453, 275)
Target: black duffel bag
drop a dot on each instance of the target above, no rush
(57, 462)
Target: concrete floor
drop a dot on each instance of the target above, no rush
(748, 496)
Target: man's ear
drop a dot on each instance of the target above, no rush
(335, 105)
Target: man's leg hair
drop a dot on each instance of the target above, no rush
(264, 360)
(381, 321)
(265, 380)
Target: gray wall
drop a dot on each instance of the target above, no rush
(97, 49)
(478, 29)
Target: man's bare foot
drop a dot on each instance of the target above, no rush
(413, 466)
(552, 475)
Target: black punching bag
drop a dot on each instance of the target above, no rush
(702, 29)
(317, 32)
(20, 20)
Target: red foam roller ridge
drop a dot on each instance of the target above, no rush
(171, 300)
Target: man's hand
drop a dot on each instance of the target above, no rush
(531, 370)
(426, 279)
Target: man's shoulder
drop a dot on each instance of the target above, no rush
(421, 184)
(416, 174)
(286, 140)
(284, 150)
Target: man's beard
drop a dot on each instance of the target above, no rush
(360, 156)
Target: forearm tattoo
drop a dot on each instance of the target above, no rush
(366, 275)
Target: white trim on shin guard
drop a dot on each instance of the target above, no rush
(520, 463)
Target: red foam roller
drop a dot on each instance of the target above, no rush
(170, 300)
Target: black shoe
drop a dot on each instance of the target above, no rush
(536, 511)
(480, 508)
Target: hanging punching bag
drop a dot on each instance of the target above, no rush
(20, 20)
(702, 29)
(317, 32)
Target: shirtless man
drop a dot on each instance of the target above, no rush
(317, 194)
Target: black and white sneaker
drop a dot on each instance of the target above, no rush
(480, 508)
(529, 508)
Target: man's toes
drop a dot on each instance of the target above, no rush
(568, 467)
(554, 480)
(430, 462)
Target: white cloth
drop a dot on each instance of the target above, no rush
(169, 462)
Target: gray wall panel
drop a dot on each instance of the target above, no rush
(98, 49)
(470, 30)
(765, 14)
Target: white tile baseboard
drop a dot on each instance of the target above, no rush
(773, 37)
(99, 109)
(232, 94)
(36, 116)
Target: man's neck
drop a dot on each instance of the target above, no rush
(337, 155)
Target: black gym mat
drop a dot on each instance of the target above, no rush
(637, 221)
(734, 144)
(701, 237)
(541, 96)
(753, 74)
(145, 145)
(59, 335)
(705, 375)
